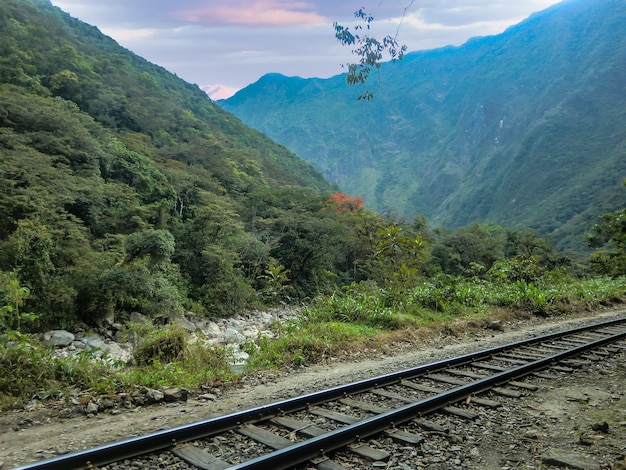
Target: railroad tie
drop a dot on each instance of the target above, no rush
(264, 436)
(200, 458)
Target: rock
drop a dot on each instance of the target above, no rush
(495, 325)
(251, 332)
(531, 434)
(212, 330)
(456, 439)
(184, 324)
(234, 323)
(618, 465)
(564, 458)
(200, 322)
(108, 319)
(137, 317)
(114, 349)
(154, 396)
(232, 336)
(57, 338)
(240, 357)
(601, 426)
(207, 397)
(267, 334)
(31, 405)
(94, 342)
(173, 394)
(92, 408)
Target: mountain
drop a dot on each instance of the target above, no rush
(524, 128)
(124, 188)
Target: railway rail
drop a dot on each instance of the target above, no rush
(316, 429)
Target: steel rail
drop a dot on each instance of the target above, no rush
(319, 446)
(165, 439)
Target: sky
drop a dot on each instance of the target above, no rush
(225, 45)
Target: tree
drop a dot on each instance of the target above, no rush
(471, 250)
(14, 296)
(398, 255)
(343, 203)
(609, 239)
(370, 51)
(145, 280)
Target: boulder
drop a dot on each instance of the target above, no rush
(57, 338)
(154, 396)
(92, 408)
(93, 342)
(237, 356)
(251, 332)
(137, 317)
(212, 330)
(184, 324)
(232, 336)
(173, 394)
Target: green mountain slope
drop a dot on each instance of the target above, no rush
(524, 128)
(124, 188)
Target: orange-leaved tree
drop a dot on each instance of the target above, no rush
(343, 203)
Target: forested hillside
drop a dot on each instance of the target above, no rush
(524, 128)
(124, 188)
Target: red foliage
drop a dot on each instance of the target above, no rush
(343, 203)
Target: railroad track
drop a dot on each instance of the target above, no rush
(320, 429)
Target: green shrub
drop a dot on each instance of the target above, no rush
(600, 290)
(161, 345)
(196, 365)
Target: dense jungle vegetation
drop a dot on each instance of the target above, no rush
(123, 188)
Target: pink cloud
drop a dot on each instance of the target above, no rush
(259, 13)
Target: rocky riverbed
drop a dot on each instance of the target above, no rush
(117, 342)
(578, 420)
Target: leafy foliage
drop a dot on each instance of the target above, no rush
(343, 203)
(11, 315)
(369, 50)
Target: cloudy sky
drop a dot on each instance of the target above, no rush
(224, 45)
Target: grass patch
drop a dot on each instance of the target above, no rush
(305, 342)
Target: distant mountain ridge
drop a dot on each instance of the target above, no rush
(525, 128)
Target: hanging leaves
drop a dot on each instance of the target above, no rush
(370, 51)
